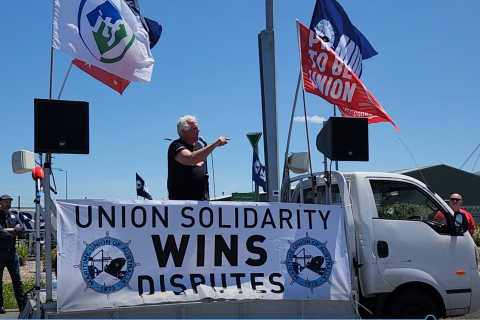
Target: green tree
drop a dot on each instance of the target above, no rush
(403, 211)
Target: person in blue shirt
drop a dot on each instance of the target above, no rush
(10, 228)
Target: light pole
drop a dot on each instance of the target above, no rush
(66, 180)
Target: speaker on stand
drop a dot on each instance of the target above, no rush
(344, 139)
(61, 126)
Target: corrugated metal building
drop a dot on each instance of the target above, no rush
(446, 180)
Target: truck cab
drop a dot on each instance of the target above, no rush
(408, 250)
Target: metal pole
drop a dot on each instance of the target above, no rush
(65, 80)
(66, 184)
(293, 115)
(308, 141)
(286, 173)
(257, 188)
(327, 177)
(48, 228)
(213, 176)
(46, 190)
(269, 14)
(312, 176)
(37, 253)
(335, 114)
(51, 73)
(268, 77)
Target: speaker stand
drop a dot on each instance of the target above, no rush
(48, 226)
(328, 181)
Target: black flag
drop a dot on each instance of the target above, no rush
(142, 189)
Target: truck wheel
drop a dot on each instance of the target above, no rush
(412, 305)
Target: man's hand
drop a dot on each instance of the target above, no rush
(221, 141)
(188, 158)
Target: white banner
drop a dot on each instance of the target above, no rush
(128, 252)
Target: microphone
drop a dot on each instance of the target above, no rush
(203, 141)
(211, 157)
(38, 174)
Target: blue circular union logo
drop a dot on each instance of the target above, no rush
(325, 28)
(309, 262)
(107, 265)
(103, 30)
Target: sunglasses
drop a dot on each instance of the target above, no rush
(455, 199)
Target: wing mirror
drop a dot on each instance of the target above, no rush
(461, 222)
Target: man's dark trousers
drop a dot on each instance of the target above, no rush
(9, 258)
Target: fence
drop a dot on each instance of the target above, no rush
(475, 211)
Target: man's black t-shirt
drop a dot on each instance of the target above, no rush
(185, 182)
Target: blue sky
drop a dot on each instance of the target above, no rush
(206, 64)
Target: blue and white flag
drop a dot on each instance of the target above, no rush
(105, 33)
(258, 171)
(330, 20)
(142, 189)
(153, 28)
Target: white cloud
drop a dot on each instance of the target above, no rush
(312, 119)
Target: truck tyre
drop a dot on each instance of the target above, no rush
(412, 305)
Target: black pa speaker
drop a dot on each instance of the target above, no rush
(61, 126)
(344, 139)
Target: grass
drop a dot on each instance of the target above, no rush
(23, 253)
(9, 301)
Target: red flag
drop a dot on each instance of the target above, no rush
(326, 75)
(115, 82)
(347, 112)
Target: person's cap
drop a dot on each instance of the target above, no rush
(6, 197)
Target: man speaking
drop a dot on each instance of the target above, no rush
(187, 171)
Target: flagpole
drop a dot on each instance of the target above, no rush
(65, 80)
(306, 122)
(292, 116)
(47, 205)
(308, 140)
(335, 114)
(285, 195)
(51, 72)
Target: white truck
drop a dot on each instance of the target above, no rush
(407, 265)
(403, 264)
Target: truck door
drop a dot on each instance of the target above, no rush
(414, 241)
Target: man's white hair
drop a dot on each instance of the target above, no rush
(182, 123)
